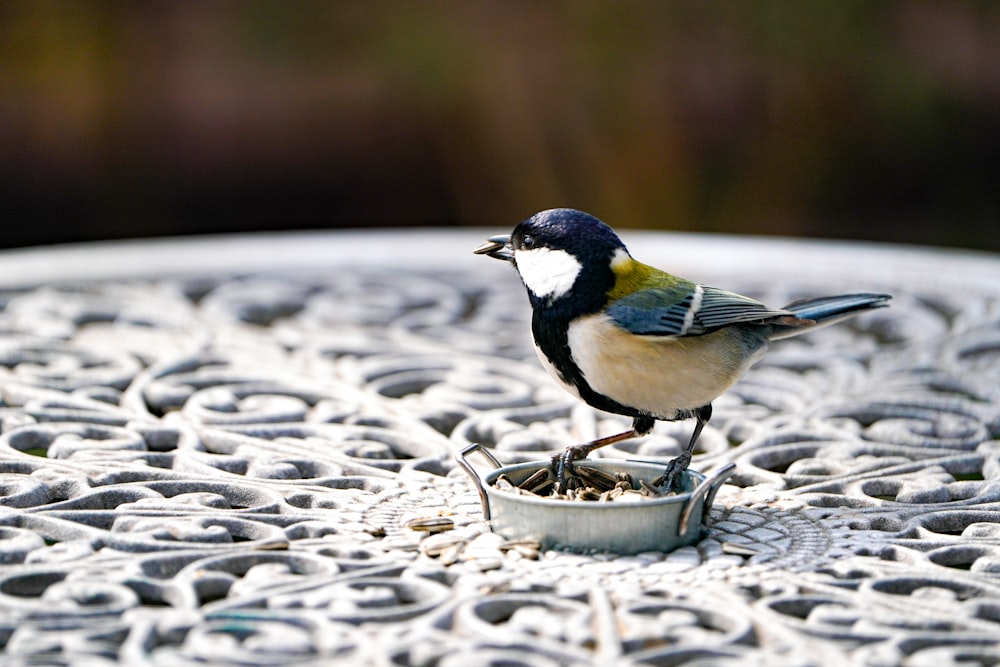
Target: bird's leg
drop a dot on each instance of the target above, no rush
(671, 476)
(564, 459)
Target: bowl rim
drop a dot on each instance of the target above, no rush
(696, 477)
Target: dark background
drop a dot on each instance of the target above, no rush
(833, 118)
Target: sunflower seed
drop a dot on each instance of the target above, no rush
(598, 479)
(742, 549)
(583, 483)
(535, 479)
(436, 545)
(515, 544)
(624, 477)
(651, 491)
(431, 524)
(452, 554)
(504, 483)
(544, 488)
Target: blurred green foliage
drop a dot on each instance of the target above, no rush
(852, 118)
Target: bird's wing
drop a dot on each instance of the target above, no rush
(686, 310)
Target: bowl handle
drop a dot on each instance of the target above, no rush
(463, 460)
(703, 496)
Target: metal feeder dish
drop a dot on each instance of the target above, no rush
(649, 524)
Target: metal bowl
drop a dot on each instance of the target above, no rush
(657, 524)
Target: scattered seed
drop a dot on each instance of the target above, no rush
(375, 531)
(437, 545)
(514, 544)
(431, 524)
(525, 548)
(452, 554)
(741, 549)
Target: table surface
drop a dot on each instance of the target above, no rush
(210, 449)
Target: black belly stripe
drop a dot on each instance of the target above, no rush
(552, 337)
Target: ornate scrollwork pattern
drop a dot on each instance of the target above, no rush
(221, 468)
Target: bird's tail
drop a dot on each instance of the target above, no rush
(819, 312)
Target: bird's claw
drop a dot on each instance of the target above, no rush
(563, 463)
(669, 480)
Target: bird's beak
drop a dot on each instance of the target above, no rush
(497, 247)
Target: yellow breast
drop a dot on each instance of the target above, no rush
(657, 374)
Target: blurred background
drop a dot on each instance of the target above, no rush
(845, 119)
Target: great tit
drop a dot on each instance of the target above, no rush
(634, 340)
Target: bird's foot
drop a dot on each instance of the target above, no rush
(563, 463)
(669, 481)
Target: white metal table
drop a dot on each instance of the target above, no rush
(210, 449)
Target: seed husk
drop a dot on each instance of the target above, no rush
(451, 555)
(430, 524)
(436, 545)
(528, 548)
(544, 488)
(650, 490)
(504, 482)
(598, 479)
(535, 479)
(582, 483)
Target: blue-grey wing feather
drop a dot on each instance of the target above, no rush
(670, 312)
(720, 308)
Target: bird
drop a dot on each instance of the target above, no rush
(631, 339)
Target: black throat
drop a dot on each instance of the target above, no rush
(551, 332)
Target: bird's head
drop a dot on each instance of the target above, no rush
(561, 254)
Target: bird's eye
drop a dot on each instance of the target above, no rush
(528, 241)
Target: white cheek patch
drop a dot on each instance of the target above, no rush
(547, 273)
